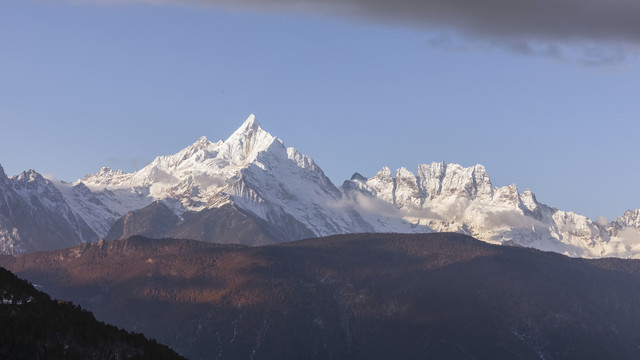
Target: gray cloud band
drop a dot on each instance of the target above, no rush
(543, 20)
(589, 32)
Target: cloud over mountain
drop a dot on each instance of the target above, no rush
(592, 32)
(592, 20)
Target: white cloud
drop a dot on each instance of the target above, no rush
(602, 221)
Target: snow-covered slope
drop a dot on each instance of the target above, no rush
(251, 169)
(449, 197)
(253, 179)
(35, 216)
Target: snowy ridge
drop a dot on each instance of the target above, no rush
(255, 172)
(449, 197)
(252, 169)
(34, 215)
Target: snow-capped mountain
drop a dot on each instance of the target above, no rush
(35, 216)
(251, 170)
(448, 197)
(251, 188)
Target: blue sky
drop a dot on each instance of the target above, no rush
(91, 84)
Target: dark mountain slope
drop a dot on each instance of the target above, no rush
(226, 224)
(367, 296)
(154, 221)
(36, 327)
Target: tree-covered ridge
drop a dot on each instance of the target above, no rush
(36, 327)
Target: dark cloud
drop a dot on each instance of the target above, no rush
(584, 53)
(597, 55)
(589, 32)
(575, 20)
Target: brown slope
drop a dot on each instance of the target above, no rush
(368, 296)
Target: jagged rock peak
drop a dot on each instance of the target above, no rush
(251, 123)
(528, 196)
(479, 168)
(439, 167)
(630, 218)
(404, 173)
(202, 141)
(358, 177)
(248, 129)
(201, 144)
(246, 142)
(28, 176)
(632, 213)
(105, 170)
(385, 172)
(104, 176)
(3, 176)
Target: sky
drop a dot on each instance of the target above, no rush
(543, 93)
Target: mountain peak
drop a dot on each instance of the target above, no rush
(3, 176)
(246, 142)
(358, 177)
(249, 129)
(28, 176)
(107, 171)
(201, 144)
(384, 172)
(631, 218)
(104, 170)
(104, 176)
(250, 125)
(202, 140)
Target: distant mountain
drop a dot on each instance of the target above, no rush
(251, 177)
(270, 193)
(35, 216)
(366, 296)
(448, 197)
(36, 327)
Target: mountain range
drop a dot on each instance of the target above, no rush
(252, 189)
